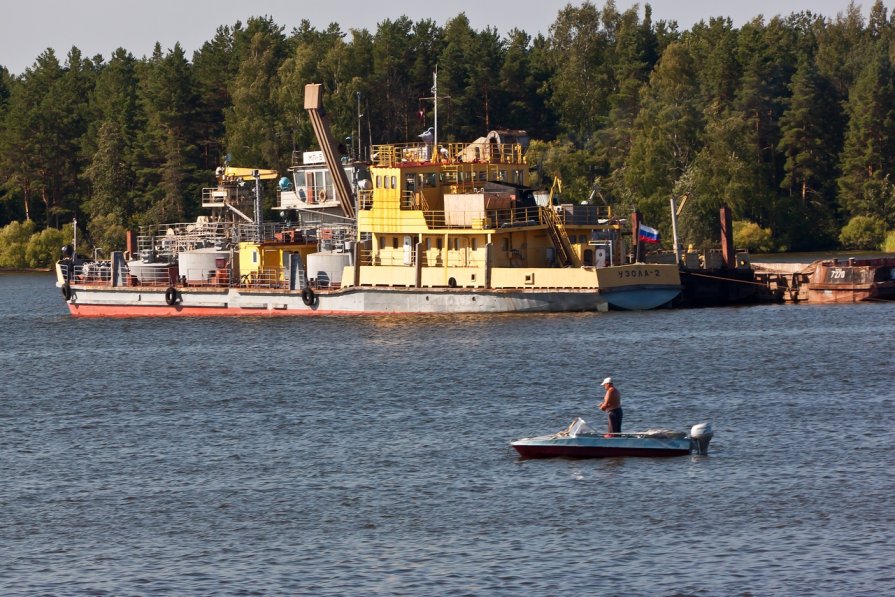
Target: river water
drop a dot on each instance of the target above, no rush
(369, 455)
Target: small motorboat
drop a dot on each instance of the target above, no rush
(580, 440)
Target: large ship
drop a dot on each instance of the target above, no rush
(421, 227)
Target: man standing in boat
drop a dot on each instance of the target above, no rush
(612, 404)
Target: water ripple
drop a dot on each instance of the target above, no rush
(370, 455)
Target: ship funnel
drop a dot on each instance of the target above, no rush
(700, 436)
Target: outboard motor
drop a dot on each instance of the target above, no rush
(700, 436)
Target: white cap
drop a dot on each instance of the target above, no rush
(606, 381)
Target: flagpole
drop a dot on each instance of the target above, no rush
(677, 248)
(636, 220)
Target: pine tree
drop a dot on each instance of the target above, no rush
(581, 81)
(866, 185)
(724, 171)
(252, 119)
(667, 133)
(168, 174)
(811, 142)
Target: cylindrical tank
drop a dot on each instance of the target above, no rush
(326, 268)
(151, 274)
(200, 265)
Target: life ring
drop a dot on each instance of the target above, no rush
(171, 296)
(66, 291)
(321, 196)
(308, 297)
(452, 282)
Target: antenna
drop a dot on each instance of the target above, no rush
(435, 97)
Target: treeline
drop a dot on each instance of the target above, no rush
(790, 121)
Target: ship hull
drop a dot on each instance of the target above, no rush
(852, 281)
(99, 301)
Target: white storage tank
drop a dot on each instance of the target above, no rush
(326, 268)
(201, 265)
(151, 274)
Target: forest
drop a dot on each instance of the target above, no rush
(788, 120)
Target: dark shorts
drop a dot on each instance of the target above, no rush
(615, 420)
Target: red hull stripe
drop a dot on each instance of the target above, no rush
(178, 311)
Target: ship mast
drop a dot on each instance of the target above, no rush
(435, 98)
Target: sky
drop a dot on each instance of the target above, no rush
(29, 27)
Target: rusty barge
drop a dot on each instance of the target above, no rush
(852, 280)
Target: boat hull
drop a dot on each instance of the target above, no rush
(639, 286)
(852, 281)
(106, 301)
(602, 447)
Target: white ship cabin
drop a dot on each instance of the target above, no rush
(311, 193)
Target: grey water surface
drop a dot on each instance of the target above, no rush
(370, 455)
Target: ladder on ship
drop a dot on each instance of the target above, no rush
(565, 256)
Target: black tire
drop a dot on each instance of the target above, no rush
(171, 296)
(66, 291)
(308, 297)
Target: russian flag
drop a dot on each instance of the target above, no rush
(648, 235)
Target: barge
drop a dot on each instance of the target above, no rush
(422, 227)
(852, 280)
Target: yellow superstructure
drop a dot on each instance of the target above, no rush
(434, 219)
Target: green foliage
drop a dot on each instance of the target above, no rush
(666, 134)
(14, 238)
(43, 248)
(107, 233)
(721, 174)
(790, 121)
(752, 237)
(867, 160)
(560, 159)
(889, 243)
(864, 233)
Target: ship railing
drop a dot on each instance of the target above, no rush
(170, 239)
(406, 258)
(268, 231)
(451, 259)
(393, 154)
(583, 214)
(201, 276)
(365, 199)
(93, 272)
(429, 258)
(155, 275)
(414, 200)
(483, 219)
(268, 277)
(222, 196)
(586, 215)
